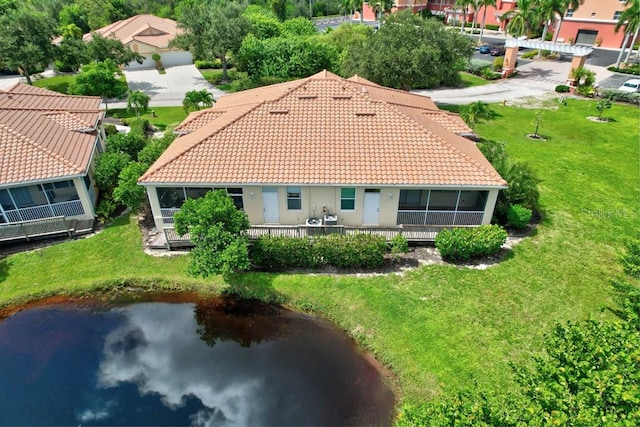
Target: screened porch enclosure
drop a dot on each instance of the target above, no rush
(172, 198)
(39, 201)
(441, 207)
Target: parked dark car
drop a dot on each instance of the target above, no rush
(485, 48)
(497, 50)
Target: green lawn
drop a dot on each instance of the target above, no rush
(437, 327)
(470, 80)
(164, 116)
(56, 83)
(214, 75)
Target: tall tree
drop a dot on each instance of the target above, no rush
(100, 79)
(102, 48)
(547, 12)
(72, 14)
(523, 19)
(566, 5)
(410, 52)
(71, 31)
(212, 30)
(380, 7)
(630, 20)
(484, 4)
(25, 40)
(463, 5)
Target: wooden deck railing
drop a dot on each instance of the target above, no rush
(35, 228)
(413, 233)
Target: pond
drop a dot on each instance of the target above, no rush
(210, 362)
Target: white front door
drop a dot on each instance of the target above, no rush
(371, 206)
(270, 205)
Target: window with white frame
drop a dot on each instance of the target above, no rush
(569, 13)
(348, 199)
(617, 14)
(294, 198)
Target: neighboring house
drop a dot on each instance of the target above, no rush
(146, 35)
(48, 142)
(324, 145)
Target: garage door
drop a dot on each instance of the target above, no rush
(147, 63)
(586, 37)
(170, 59)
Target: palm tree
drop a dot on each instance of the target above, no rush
(137, 100)
(485, 4)
(381, 6)
(523, 18)
(197, 99)
(630, 19)
(566, 5)
(463, 4)
(71, 31)
(476, 111)
(474, 5)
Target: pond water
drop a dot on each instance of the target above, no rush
(212, 362)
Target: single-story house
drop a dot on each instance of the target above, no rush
(146, 35)
(360, 153)
(48, 143)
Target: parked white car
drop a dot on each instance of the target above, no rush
(632, 86)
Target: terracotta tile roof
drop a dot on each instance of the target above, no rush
(324, 130)
(148, 29)
(45, 135)
(198, 119)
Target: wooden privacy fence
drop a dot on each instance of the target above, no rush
(413, 233)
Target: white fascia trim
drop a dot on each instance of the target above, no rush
(41, 181)
(298, 184)
(591, 21)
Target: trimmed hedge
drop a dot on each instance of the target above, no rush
(336, 250)
(562, 88)
(634, 69)
(620, 96)
(519, 216)
(465, 243)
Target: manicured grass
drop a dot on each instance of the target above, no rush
(214, 76)
(164, 116)
(437, 327)
(470, 80)
(56, 83)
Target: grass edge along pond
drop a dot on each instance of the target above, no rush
(438, 327)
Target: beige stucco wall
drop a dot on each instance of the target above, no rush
(87, 205)
(316, 201)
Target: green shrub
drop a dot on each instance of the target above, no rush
(530, 54)
(545, 53)
(620, 96)
(634, 69)
(585, 90)
(128, 143)
(518, 216)
(216, 63)
(156, 57)
(562, 88)
(107, 169)
(492, 27)
(337, 250)
(630, 258)
(109, 129)
(349, 251)
(138, 126)
(105, 209)
(243, 82)
(489, 74)
(280, 253)
(475, 66)
(465, 243)
(399, 245)
(498, 63)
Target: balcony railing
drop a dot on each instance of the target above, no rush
(66, 209)
(440, 217)
(167, 214)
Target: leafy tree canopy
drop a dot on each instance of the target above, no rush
(102, 48)
(410, 52)
(218, 231)
(25, 39)
(99, 79)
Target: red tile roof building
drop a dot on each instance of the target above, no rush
(316, 137)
